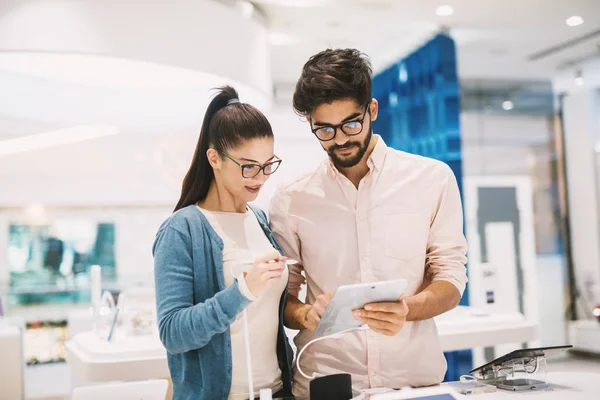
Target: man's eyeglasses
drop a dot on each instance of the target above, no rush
(251, 170)
(350, 128)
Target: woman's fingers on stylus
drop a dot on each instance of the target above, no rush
(273, 274)
(266, 257)
(272, 266)
(276, 266)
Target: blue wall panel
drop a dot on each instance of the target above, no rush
(419, 112)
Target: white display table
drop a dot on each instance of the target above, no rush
(141, 358)
(123, 359)
(585, 335)
(562, 385)
(466, 328)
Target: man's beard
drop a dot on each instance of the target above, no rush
(348, 162)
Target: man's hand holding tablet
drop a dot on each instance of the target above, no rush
(314, 312)
(379, 305)
(384, 318)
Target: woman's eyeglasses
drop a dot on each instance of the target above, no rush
(251, 170)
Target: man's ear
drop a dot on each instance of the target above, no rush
(374, 109)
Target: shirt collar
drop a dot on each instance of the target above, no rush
(377, 156)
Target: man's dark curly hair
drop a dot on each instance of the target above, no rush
(333, 75)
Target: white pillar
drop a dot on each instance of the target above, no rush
(581, 120)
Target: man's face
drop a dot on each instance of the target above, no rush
(345, 149)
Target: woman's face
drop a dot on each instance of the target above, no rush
(241, 181)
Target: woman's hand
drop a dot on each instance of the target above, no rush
(266, 270)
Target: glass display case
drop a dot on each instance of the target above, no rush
(51, 263)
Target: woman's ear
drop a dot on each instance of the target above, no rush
(213, 158)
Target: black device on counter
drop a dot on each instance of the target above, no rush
(521, 353)
(331, 387)
(530, 363)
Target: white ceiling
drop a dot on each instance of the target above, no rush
(495, 38)
(139, 65)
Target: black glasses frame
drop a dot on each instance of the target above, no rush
(341, 126)
(275, 163)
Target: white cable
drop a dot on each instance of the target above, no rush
(334, 336)
(467, 378)
(247, 345)
(251, 393)
(248, 357)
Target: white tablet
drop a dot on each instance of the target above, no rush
(338, 315)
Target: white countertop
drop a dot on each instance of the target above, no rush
(585, 335)
(123, 359)
(93, 348)
(145, 358)
(466, 328)
(562, 386)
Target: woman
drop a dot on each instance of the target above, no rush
(216, 259)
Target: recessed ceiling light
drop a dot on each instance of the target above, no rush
(295, 3)
(508, 105)
(246, 8)
(444, 11)
(575, 20)
(579, 78)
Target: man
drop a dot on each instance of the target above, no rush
(369, 213)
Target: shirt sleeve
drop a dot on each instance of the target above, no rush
(287, 237)
(447, 246)
(183, 325)
(244, 288)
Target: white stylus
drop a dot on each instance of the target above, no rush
(286, 262)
